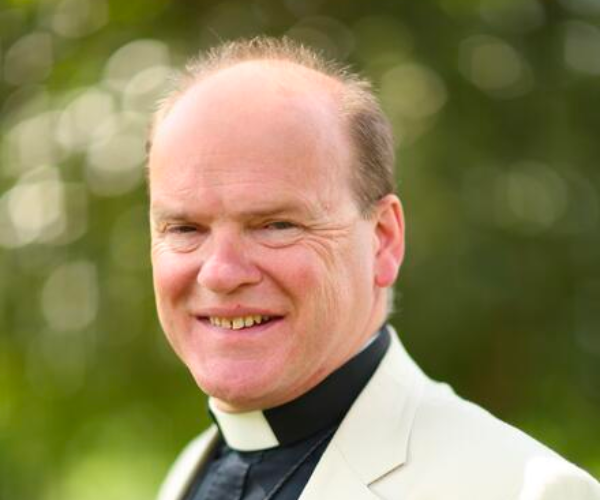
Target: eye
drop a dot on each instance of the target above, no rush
(280, 225)
(181, 229)
(278, 233)
(182, 237)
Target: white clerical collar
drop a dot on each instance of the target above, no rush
(321, 407)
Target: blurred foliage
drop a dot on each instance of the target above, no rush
(495, 107)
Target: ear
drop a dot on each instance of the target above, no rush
(389, 236)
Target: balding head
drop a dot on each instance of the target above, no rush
(271, 67)
(259, 109)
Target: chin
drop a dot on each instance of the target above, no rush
(240, 389)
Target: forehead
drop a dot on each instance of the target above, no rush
(250, 122)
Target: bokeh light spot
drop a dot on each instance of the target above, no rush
(29, 59)
(145, 89)
(115, 159)
(582, 47)
(495, 67)
(31, 143)
(134, 57)
(530, 197)
(82, 117)
(78, 18)
(69, 297)
(35, 208)
(412, 94)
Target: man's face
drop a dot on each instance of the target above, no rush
(264, 270)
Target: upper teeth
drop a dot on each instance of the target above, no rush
(239, 322)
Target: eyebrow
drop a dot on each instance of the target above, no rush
(159, 214)
(277, 210)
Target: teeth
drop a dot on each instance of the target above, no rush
(239, 322)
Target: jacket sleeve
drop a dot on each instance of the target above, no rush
(549, 479)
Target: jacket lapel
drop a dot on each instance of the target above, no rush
(334, 479)
(373, 438)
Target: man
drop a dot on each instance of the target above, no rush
(276, 237)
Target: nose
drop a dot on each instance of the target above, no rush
(226, 266)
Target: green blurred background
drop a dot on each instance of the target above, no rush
(495, 104)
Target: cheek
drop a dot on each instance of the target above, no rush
(296, 271)
(312, 284)
(172, 275)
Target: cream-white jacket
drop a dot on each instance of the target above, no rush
(407, 437)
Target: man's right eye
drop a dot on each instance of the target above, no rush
(183, 237)
(181, 229)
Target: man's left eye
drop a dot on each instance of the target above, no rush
(280, 225)
(278, 233)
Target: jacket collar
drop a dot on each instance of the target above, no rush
(373, 439)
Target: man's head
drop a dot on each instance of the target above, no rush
(263, 211)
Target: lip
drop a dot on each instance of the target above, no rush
(235, 312)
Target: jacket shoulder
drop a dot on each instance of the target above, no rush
(468, 453)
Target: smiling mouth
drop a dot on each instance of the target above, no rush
(239, 322)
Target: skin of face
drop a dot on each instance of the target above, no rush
(252, 214)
